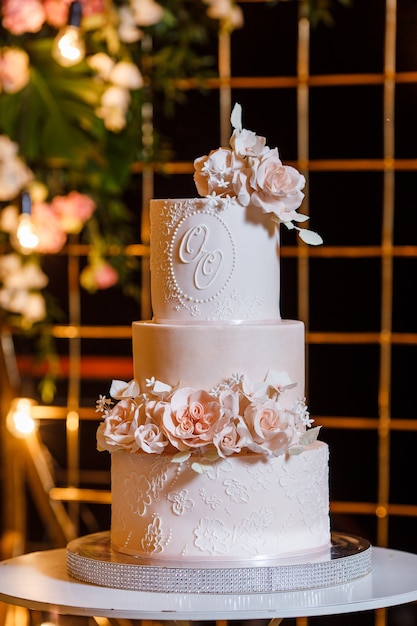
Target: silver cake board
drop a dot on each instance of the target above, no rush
(91, 559)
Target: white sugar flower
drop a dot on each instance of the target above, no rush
(254, 175)
(301, 413)
(103, 404)
(119, 389)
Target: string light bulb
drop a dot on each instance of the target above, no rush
(69, 48)
(26, 237)
(19, 420)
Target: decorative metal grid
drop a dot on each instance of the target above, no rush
(347, 121)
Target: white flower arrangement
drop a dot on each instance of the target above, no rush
(236, 417)
(251, 173)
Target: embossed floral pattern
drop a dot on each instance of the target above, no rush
(236, 417)
(180, 502)
(236, 490)
(154, 541)
(212, 536)
(138, 491)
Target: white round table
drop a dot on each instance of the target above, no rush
(40, 581)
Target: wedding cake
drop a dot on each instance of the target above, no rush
(213, 453)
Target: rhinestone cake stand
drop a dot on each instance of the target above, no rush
(92, 560)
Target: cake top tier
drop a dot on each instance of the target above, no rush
(216, 258)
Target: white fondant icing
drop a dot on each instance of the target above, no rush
(213, 262)
(253, 507)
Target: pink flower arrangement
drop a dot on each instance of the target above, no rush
(251, 173)
(73, 210)
(234, 418)
(28, 16)
(48, 228)
(23, 17)
(14, 70)
(64, 215)
(98, 274)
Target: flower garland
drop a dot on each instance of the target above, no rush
(237, 417)
(69, 136)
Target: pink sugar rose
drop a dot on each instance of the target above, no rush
(228, 441)
(214, 173)
(277, 187)
(73, 210)
(23, 17)
(264, 428)
(48, 228)
(150, 439)
(14, 70)
(192, 419)
(117, 431)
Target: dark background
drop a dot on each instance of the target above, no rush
(346, 207)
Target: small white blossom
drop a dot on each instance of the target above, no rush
(301, 413)
(103, 404)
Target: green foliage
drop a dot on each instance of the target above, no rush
(320, 11)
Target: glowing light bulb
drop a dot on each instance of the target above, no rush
(19, 419)
(26, 235)
(69, 48)
(26, 238)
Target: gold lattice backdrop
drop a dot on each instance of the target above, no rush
(340, 101)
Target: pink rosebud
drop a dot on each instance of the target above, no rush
(14, 69)
(48, 228)
(57, 10)
(99, 275)
(73, 210)
(23, 17)
(117, 431)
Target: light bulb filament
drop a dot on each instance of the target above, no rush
(19, 419)
(69, 47)
(25, 234)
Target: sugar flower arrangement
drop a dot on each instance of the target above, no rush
(252, 173)
(237, 417)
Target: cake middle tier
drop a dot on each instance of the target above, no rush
(204, 356)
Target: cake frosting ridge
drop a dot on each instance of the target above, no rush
(214, 452)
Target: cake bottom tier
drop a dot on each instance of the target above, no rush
(242, 507)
